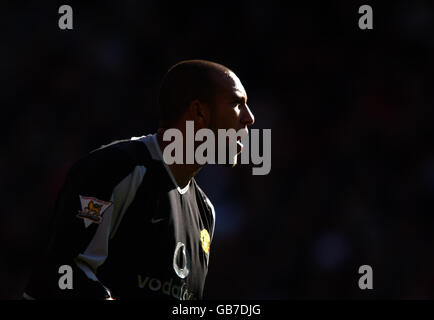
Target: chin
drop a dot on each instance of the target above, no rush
(232, 165)
(235, 161)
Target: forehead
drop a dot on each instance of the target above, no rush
(231, 86)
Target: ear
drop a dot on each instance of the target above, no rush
(200, 113)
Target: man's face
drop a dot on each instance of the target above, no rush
(231, 110)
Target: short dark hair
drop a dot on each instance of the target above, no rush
(184, 82)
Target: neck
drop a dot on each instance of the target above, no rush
(183, 173)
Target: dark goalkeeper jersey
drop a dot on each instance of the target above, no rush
(127, 230)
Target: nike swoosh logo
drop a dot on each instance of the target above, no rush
(153, 220)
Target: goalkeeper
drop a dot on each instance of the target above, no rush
(127, 224)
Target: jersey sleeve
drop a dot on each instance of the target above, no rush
(89, 208)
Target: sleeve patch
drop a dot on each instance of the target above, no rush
(92, 210)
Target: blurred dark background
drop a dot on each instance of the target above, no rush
(352, 175)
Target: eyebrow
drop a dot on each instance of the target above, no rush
(239, 98)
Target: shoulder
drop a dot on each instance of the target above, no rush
(132, 151)
(111, 163)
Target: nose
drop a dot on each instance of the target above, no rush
(247, 118)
